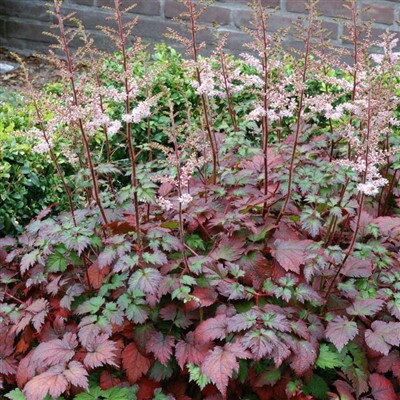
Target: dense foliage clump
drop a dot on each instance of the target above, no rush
(232, 230)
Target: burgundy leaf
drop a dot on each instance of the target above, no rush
(388, 226)
(190, 351)
(242, 321)
(212, 328)
(51, 382)
(356, 268)
(290, 253)
(72, 292)
(229, 249)
(344, 390)
(106, 257)
(391, 362)
(382, 388)
(134, 363)
(26, 370)
(365, 307)
(382, 336)
(8, 366)
(204, 297)
(96, 275)
(261, 342)
(40, 309)
(175, 314)
(161, 346)
(77, 375)
(220, 364)
(101, 351)
(28, 260)
(56, 351)
(340, 331)
(147, 280)
(304, 356)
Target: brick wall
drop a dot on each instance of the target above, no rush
(23, 21)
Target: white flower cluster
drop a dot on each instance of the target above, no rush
(142, 110)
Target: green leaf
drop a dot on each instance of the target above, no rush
(195, 242)
(159, 395)
(170, 225)
(91, 306)
(117, 393)
(94, 393)
(243, 371)
(15, 394)
(260, 235)
(57, 262)
(328, 357)
(195, 375)
(317, 387)
(270, 376)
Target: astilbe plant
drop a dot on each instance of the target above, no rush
(256, 261)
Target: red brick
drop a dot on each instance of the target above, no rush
(329, 8)
(383, 13)
(214, 13)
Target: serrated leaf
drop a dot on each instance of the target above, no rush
(28, 260)
(328, 357)
(91, 306)
(212, 328)
(55, 351)
(161, 346)
(195, 375)
(221, 363)
(382, 336)
(190, 351)
(100, 351)
(340, 331)
(317, 387)
(156, 258)
(290, 253)
(51, 382)
(134, 363)
(57, 262)
(147, 280)
(15, 394)
(229, 249)
(381, 388)
(365, 307)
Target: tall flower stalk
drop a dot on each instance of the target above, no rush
(64, 39)
(299, 120)
(193, 47)
(122, 35)
(34, 97)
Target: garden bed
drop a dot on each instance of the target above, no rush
(202, 227)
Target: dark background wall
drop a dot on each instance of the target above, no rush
(23, 21)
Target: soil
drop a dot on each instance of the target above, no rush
(42, 71)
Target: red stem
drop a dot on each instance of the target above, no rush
(85, 140)
(210, 132)
(130, 142)
(299, 118)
